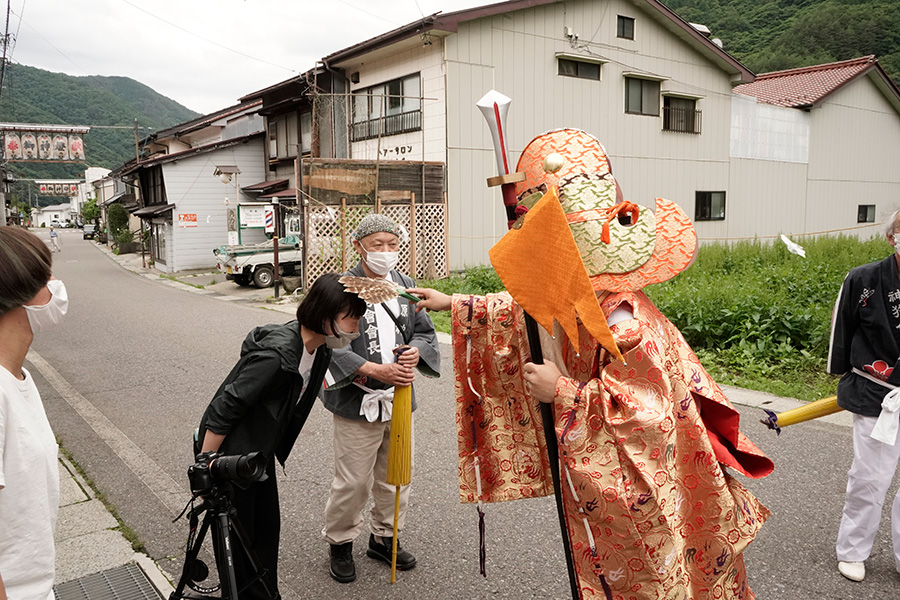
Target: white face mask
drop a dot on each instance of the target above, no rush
(341, 339)
(45, 316)
(897, 243)
(381, 263)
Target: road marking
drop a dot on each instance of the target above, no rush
(172, 495)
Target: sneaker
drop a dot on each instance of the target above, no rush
(854, 571)
(382, 551)
(342, 568)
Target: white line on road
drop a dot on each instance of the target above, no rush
(166, 489)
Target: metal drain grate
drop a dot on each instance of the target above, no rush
(127, 582)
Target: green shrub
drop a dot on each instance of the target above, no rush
(117, 219)
(760, 315)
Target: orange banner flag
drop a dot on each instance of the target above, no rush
(541, 267)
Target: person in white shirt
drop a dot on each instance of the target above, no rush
(30, 301)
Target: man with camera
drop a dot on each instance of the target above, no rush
(260, 408)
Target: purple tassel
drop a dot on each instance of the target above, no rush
(771, 422)
(482, 551)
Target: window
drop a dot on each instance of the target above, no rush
(625, 28)
(709, 206)
(580, 69)
(680, 115)
(387, 109)
(305, 132)
(866, 213)
(641, 96)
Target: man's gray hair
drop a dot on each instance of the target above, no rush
(889, 226)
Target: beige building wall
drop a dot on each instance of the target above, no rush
(381, 67)
(516, 54)
(853, 158)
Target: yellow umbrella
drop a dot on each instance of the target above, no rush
(813, 410)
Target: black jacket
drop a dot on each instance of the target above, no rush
(256, 407)
(865, 333)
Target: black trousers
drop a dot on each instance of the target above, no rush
(258, 511)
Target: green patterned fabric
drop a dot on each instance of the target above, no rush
(629, 247)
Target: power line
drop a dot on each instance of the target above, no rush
(207, 40)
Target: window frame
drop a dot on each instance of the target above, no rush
(645, 82)
(621, 30)
(578, 66)
(692, 117)
(869, 216)
(704, 200)
(388, 105)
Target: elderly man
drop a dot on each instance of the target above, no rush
(361, 384)
(865, 344)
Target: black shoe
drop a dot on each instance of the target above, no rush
(342, 568)
(383, 551)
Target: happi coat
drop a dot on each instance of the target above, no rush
(345, 399)
(865, 336)
(644, 445)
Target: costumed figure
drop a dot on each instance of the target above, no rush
(865, 344)
(644, 434)
(361, 383)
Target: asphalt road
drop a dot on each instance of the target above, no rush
(138, 360)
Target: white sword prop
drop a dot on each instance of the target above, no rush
(495, 106)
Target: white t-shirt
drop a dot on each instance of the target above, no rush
(29, 491)
(387, 330)
(306, 362)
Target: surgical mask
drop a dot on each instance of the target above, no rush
(342, 338)
(45, 316)
(381, 263)
(897, 243)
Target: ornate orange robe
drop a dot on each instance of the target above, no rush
(642, 447)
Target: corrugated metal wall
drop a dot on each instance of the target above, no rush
(516, 55)
(192, 187)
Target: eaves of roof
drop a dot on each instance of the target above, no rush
(806, 87)
(449, 23)
(302, 79)
(204, 121)
(133, 166)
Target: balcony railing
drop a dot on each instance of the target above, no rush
(681, 120)
(387, 125)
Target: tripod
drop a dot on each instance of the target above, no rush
(219, 514)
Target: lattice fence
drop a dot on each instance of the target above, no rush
(330, 246)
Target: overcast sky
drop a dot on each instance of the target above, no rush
(204, 54)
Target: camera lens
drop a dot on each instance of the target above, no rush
(249, 467)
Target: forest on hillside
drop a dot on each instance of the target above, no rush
(111, 106)
(773, 35)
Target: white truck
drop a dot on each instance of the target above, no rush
(255, 263)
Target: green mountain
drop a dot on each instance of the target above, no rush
(772, 35)
(31, 95)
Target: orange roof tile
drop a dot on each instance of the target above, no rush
(805, 86)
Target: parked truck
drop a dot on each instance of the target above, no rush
(255, 263)
(247, 264)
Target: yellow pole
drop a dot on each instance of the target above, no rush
(813, 410)
(399, 466)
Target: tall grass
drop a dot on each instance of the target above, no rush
(756, 315)
(759, 316)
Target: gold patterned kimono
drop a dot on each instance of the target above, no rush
(648, 504)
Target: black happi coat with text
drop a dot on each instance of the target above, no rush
(865, 334)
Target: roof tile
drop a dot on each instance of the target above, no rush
(805, 86)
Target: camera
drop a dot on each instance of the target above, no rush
(212, 468)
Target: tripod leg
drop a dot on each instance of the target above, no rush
(250, 553)
(225, 559)
(190, 557)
